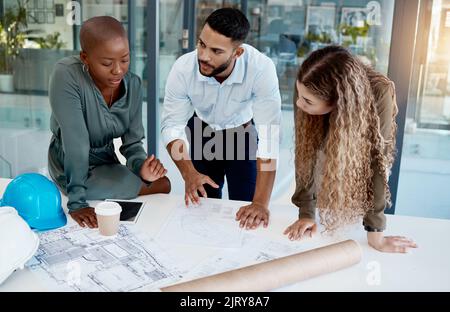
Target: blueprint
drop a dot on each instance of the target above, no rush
(255, 250)
(209, 224)
(79, 259)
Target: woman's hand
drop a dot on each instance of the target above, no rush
(383, 243)
(152, 169)
(301, 227)
(251, 216)
(85, 216)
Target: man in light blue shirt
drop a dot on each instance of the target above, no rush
(227, 94)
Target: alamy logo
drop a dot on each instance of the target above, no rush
(374, 13)
(374, 276)
(74, 15)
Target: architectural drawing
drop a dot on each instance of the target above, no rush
(210, 224)
(79, 259)
(255, 250)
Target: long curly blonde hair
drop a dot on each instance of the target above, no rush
(349, 136)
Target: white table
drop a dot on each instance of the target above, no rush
(424, 269)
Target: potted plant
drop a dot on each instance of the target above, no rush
(13, 26)
(312, 42)
(51, 41)
(357, 39)
(354, 35)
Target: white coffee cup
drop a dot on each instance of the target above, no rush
(108, 217)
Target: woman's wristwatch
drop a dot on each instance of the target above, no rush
(148, 183)
(371, 229)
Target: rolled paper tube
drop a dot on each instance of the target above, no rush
(278, 272)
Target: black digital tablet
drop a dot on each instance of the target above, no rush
(130, 209)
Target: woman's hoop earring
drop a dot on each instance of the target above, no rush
(85, 68)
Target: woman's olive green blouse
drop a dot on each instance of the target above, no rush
(81, 155)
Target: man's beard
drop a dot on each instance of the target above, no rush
(217, 70)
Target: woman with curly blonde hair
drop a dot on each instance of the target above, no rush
(344, 147)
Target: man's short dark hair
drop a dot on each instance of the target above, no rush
(229, 22)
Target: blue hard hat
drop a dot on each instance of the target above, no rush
(37, 200)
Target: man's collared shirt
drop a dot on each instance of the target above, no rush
(251, 91)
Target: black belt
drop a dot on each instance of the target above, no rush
(245, 125)
(248, 123)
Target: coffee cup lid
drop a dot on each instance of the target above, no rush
(108, 208)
